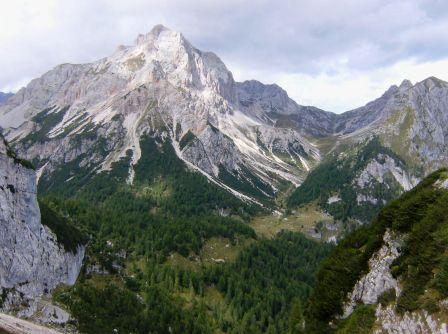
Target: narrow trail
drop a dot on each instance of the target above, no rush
(13, 325)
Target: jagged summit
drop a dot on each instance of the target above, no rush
(164, 87)
(405, 84)
(159, 32)
(432, 82)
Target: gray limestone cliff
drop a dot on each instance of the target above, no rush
(32, 261)
(378, 280)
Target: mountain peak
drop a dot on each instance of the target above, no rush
(433, 81)
(157, 32)
(406, 84)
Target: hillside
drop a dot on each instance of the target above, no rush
(389, 276)
(379, 151)
(355, 183)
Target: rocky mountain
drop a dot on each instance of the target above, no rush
(248, 138)
(409, 119)
(270, 104)
(357, 182)
(34, 255)
(395, 273)
(379, 151)
(164, 87)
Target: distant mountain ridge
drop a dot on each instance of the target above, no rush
(249, 138)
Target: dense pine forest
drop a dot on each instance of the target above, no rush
(130, 283)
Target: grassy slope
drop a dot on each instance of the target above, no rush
(335, 176)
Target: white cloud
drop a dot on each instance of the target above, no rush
(335, 56)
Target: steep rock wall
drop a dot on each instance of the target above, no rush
(32, 262)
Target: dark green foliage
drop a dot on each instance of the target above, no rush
(170, 209)
(128, 221)
(427, 220)
(65, 180)
(67, 234)
(296, 319)
(339, 273)
(336, 175)
(441, 279)
(188, 138)
(422, 214)
(112, 309)
(101, 310)
(361, 321)
(247, 183)
(167, 209)
(266, 278)
(191, 193)
(46, 120)
(387, 297)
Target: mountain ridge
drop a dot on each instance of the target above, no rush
(173, 88)
(248, 134)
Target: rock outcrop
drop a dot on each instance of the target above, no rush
(32, 261)
(379, 278)
(419, 322)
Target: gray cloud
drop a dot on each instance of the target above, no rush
(308, 37)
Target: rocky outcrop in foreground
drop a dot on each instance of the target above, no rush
(32, 261)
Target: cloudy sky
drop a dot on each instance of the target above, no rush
(335, 55)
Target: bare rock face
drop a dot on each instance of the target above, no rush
(32, 262)
(271, 104)
(381, 167)
(410, 119)
(419, 322)
(379, 278)
(164, 87)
